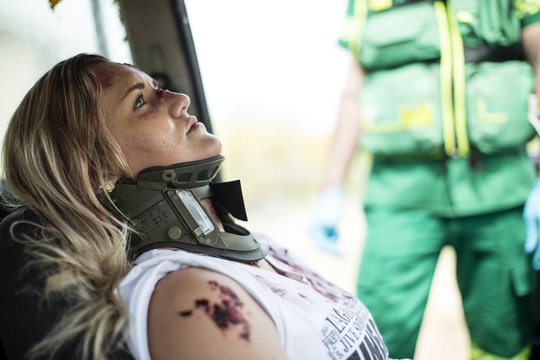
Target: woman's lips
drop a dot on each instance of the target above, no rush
(193, 124)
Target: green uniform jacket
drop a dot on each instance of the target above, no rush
(444, 102)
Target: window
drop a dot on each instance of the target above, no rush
(33, 38)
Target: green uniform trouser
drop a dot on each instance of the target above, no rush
(494, 275)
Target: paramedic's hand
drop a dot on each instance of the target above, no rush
(325, 216)
(531, 215)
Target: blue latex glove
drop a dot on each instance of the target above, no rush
(531, 215)
(325, 216)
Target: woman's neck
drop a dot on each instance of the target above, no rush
(207, 204)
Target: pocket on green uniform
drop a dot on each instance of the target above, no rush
(497, 95)
(522, 279)
(400, 36)
(402, 111)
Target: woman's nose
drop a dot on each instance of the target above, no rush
(179, 105)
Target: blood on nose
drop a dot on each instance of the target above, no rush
(162, 94)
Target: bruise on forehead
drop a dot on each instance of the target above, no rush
(105, 75)
(107, 72)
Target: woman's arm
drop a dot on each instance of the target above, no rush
(200, 314)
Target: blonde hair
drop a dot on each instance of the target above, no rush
(57, 153)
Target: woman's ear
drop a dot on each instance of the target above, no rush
(108, 185)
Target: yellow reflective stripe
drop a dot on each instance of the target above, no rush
(446, 79)
(351, 33)
(479, 354)
(380, 5)
(410, 118)
(464, 16)
(459, 85)
(527, 7)
(489, 118)
(359, 16)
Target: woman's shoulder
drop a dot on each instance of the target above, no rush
(194, 303)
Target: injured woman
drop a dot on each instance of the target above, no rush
(120, 244)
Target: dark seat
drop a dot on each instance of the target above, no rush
(4, 194)
(25, 318)
(3, 355)
(4, 211)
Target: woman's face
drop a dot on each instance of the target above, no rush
(151, 125)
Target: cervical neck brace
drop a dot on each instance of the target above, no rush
(164, 208)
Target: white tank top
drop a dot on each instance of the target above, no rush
(315, 319)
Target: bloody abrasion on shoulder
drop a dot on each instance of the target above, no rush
(226, 313)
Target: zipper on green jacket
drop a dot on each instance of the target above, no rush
(459, 84)
(452, 74)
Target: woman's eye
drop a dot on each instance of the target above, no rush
(139, 102)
